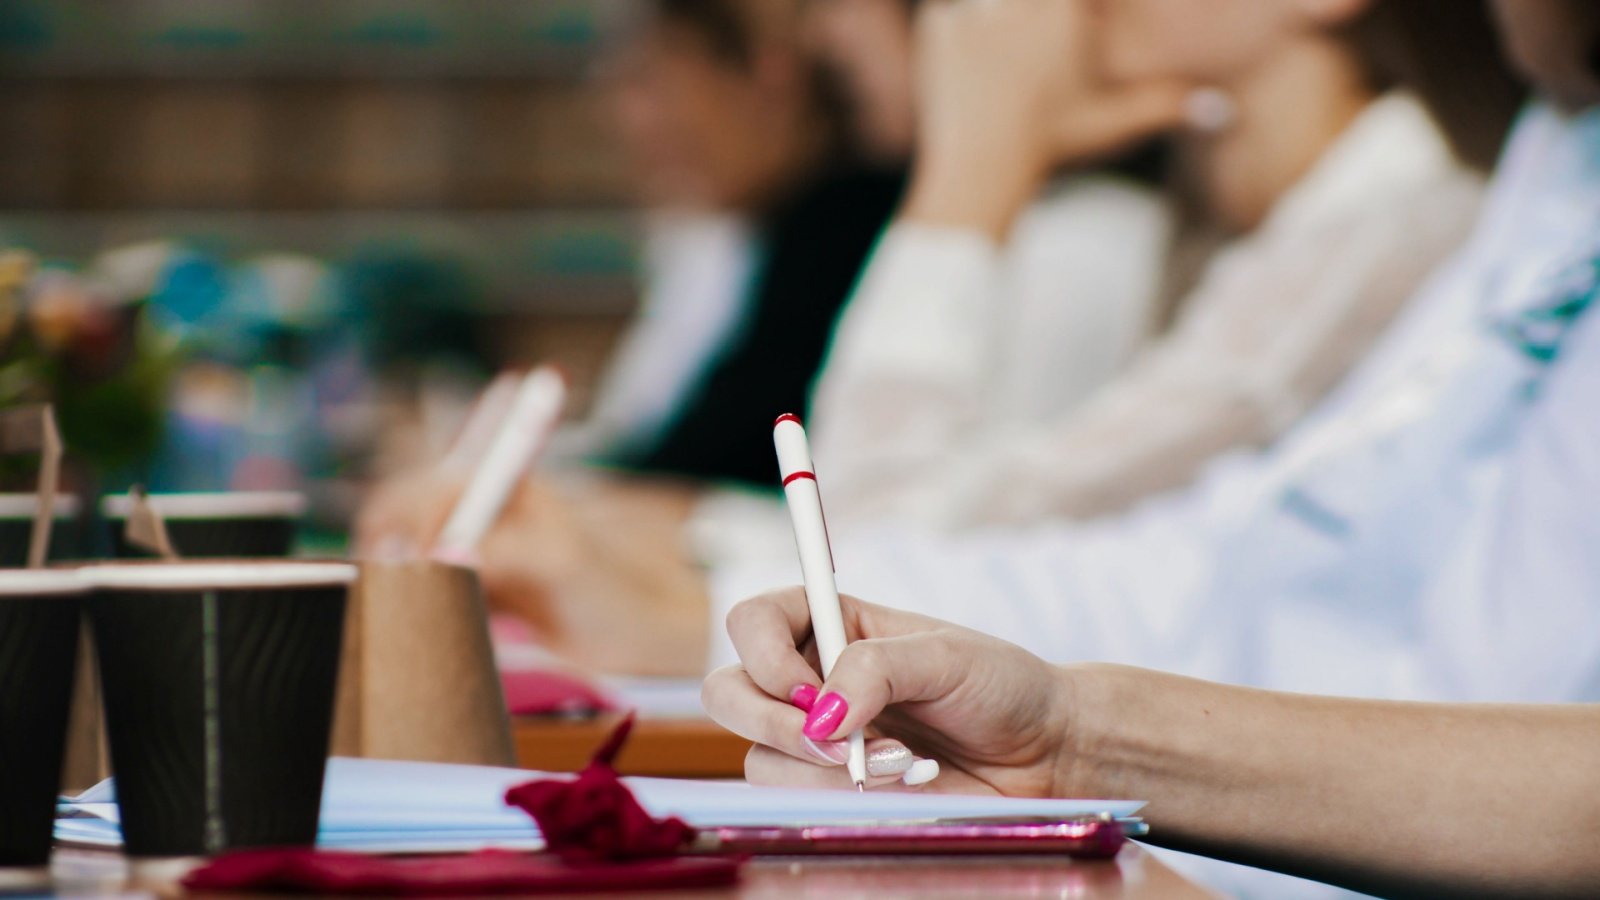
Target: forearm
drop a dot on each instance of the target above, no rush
(1387, 797)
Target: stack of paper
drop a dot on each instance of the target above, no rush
(399, 807)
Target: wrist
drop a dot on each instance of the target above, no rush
(971, 190)
(1087, 713)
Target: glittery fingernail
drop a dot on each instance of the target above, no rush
(889, 761)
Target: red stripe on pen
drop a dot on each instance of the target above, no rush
(788, 417)
(810, 475)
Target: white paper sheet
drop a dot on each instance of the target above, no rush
(379, 805)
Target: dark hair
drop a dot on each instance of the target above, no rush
(1447, 52)
(720, 23)
(730, 29)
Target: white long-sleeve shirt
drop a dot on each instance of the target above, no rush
(695, 284)
(1431, 531)
(953, 397)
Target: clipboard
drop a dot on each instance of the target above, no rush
(1084, 837)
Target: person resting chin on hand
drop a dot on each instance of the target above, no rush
(1376, 796)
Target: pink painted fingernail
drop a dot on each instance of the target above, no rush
(825, 716)
(835, 753)
(804, 696)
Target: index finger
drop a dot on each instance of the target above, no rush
(767, 632)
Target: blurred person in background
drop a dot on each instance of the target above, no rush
(698, 260)
(1330, 153)
(1069, 293)
(1428, 533)
(1359, 194)
(759, 215)
(739, 140)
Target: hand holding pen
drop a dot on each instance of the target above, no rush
(825, 712)
(448, 508)
(998, 719)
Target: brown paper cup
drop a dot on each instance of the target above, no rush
(418, 680)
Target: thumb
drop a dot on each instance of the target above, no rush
(873, 674)
(1121, 116)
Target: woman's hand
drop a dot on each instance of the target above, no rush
(403, 516)
(1010, 90)
(996, 718)
(595, 567)
(599, 571)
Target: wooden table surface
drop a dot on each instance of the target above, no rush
(691, 748)
(697, 748)
(1133, 875)
(664, 748)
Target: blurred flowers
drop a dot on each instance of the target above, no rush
(77, 342)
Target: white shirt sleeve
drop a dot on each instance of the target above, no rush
(1515, 614)
(1274, 325)
(935, 406)
(1064, 592)
(907, 369)
(950, 336)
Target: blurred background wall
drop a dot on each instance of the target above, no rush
(462, 128)
(279, 176)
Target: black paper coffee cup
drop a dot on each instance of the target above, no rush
(257, 524)
(39, 624)
(218, 683)
(16, 528)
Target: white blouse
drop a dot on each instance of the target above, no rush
(969, 385)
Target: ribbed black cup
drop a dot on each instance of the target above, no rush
(218, 683)
(16, 530)
(215, 526)
(39, 622)
(254, 538)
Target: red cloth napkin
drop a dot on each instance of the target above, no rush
(601, 838)
(486, 872)
(595, 816)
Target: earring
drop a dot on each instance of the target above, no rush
(1210, 110)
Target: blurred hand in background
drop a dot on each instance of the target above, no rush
(1009, 90)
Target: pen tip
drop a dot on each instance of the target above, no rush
(861, 787)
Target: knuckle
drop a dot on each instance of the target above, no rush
(743, 614)
(866, 657)
(715, 688)
(758, 765)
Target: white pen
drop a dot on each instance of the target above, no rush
(804, 499)
(482, 424)
(527, 426)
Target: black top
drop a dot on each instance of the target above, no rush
(815, 247)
